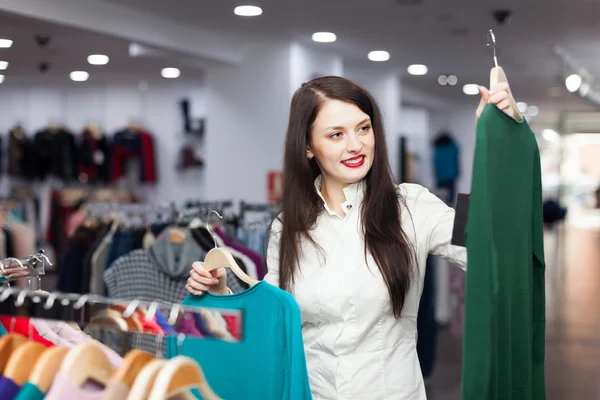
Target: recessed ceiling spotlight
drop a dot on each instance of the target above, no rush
(443, 80)
(5, 43)
(79, 76)
(573, 82)
(324, 37)
(452, 80)
(247, 11)
(170, 73)
(533, 111)
(1, 78)
(378, 55)
(471, 89)
(522, 106)
(417, 69)
(3, 65)
(97, 59)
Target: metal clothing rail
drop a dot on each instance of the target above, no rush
(81, 308)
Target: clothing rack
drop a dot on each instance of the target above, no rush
(33, 265)
(82, 309)
(257, 207)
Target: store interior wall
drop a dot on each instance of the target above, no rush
(112, 107)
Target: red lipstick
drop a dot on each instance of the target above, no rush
(354, 162)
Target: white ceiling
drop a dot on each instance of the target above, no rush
(68, 50)
(448, 36)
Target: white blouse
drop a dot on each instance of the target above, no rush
(355, 347)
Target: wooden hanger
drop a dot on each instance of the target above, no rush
(109, 319)
(18, 368)
(46, 366)
(133, 323)
(179, 375)
(145, 380)
(497, 76)
(218, 257)
(131, 366)
(8, 344)
(86, 362)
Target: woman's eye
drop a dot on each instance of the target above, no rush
(365, 128)
(336, 135)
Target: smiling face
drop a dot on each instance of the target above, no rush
(342, 142)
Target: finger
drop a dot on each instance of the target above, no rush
(197, 285)
(218, 273)
(203, 280)
(498, 97)
(193, 291)
(485, 94)
(504, 105)
(198, 267)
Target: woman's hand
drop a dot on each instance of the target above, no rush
(498, 95)
(202, 281)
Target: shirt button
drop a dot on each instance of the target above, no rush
(349, 206)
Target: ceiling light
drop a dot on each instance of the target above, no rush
(79, 76)
(522, 106)
(97, 59)
(378, 55)
(417, 69)
(573, 82)
(5, 43)
(452, 80)
(1, 78)
(533, 111)
(443, 80)
(324, 37)
(247, 11)
(170, 73)
(550, 135)
(471, 89)
(3, 65)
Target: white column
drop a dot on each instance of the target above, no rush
(386, 88)
(247, 113)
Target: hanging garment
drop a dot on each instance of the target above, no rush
(21, 155)
(505, 306)
(62, 388)
(446, 161)
(29, 391)
(427, 328)
(87, 277)
(258, 270)
(273, 367)
(55, 154)
(158, 273)
(8, 389)
(21, 325)
(349, 327)
(93, 161)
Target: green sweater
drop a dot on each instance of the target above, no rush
(503, 353)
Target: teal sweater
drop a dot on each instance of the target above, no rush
(505, 305)
(268, 363)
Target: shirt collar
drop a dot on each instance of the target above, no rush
(353, 193)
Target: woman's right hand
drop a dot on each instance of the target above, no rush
(202, 281)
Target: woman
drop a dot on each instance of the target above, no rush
(351, 245)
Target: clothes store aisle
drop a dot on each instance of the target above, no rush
(573, 322)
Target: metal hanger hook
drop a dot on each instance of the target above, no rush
(491, 41)
(208, 227)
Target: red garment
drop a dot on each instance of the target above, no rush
(22, 326)
(148, 163)
(151, 326)
(233, 326)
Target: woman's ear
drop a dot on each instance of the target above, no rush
(309, 153)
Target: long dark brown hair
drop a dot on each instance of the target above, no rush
(383, 236)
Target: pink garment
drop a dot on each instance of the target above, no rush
(62, 388)
(61, 334)
(23, 239)
(75, 221)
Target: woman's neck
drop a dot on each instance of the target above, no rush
(334, 196)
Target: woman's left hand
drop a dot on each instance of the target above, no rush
(498, 95)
